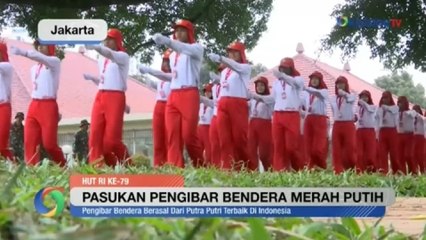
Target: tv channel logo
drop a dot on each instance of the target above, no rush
(56, 194)
(342, 21)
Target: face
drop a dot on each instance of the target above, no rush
(43, 49)
(260, 87)
(400, 105)
(85, 127)
(386, 100)
(110, 43)
(181, 34)
(286, 70)
(208, 94)
(315, 82)
(341, 85)
(234, 55)
(165, 65)
(364, 98)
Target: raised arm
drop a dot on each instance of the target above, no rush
(392, 109)
(349, 97)
(296, 82)
(207, 101)
(94, 79)
(320, 93)
(121, 58)
(235, 66)
(369, 108)
(158, 74)
(51, 62)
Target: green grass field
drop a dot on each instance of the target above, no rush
(17, 206)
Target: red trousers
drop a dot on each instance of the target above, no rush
(181, 124)
(232, 125)
(388, 145)
(406, 151)
(203, 135)
(344, 146)
(214, 143)
(286, 138)
(106, 129)
(367, 149)
(5, 123)
(159, 134)
(316, 142)
(41, 127)
(419, 152)
(260, 143)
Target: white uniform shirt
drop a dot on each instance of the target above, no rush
(260, 110)
(113, 70)
(235, 79)
(44, 75)
(6, 74)
(343, 107)
(406, 121)
(366, 116)
(285, 94)
(316, 101)
(419, 125)
(185, 64)
(387, 116)
(205, 114)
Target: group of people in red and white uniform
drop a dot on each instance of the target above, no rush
(284, 127)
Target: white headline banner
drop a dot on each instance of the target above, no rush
(139, 196)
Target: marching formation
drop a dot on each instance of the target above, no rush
(283, 126)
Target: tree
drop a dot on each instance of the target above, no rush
(216, 26)
(258, 69)
(401, 84)
(395, 47)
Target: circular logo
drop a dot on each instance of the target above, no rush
(56, 194)
(342, 21)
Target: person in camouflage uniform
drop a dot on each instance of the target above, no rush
(80, 146)
(17, 137)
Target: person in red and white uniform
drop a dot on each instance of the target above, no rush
(6, 74)
(315, 127)
(406, 136)
(260, 145)
(419, 139)
(183, 103)
(285, 96)
(159, 116)
(366, 133)
(41, 124)
(387, 117)
(343, 134)
(106, 128)
(205, 118)
(213, 131)
(232, 117)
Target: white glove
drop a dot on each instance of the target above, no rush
(17, 51)
(127, 109)
(341, 92)
(214, 57)
(362, 102)
(91, 47)
(144, 69)
(278, 74)
(87, 77)
(159, 39)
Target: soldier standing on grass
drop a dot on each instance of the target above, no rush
(17, 136)
(80, 146)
